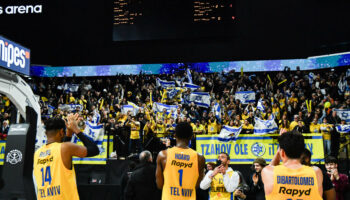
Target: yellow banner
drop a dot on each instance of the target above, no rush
(2, 151)
(246, 148)
(97, 160)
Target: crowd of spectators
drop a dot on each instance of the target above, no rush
(299, 100)
(302, 101)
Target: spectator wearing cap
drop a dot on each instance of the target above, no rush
(255, 182)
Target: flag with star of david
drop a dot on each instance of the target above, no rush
(344, 114)
(245, 96)
(263, 127)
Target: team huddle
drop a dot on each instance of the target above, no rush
(180, 170)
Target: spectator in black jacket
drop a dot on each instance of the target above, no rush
(142, 183)
(255, 182)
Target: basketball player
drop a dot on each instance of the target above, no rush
(291, 180)
(180, 169)
(54, 174)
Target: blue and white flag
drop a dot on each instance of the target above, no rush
(164, 84)
(191, 86)
(311, 77)
(344, 114)
(136, 107)
(217, 111)
(245, 96)
(171, 93)
(70, 107)
(228, 133)
(126, 108)
(159, 107)
(260, 106)
(71, 87)
(189, 76)
(94, 132)
(96, 117)
(201, 99)
(263, 127)
(343, 128)
(50, 109)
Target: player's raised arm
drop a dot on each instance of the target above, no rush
(88, 150)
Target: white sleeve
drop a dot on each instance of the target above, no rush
(231, 183)
(206, 182)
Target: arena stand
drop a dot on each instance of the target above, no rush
(286, 97)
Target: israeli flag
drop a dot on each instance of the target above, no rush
(126, 108)
(217, 111)
(69, 107)
(229, 133)
(191, 86)
(260, 106)
(263, 127)
(200, 98)
(171, 93)
(136, 107)
(189, 76)
(311, 77)
(159, 107)
(71, 87)
(245, 96)
(343, 128)
(165, 84)
(96, 117)
(94, 132)
(50, 109)
(344, 114)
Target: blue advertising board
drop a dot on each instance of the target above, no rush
(14, 56)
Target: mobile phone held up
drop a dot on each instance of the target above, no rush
(218, 162)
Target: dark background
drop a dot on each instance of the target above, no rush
(80, 32)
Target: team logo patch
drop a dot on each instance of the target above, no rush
(258, 149)
(14, 157)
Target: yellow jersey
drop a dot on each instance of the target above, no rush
(212, 128)
(314, 128)
(135, 130)
(326, 131)
(294, 184)
(180, 174)
(53, 180)
(161, 130)
(217, 188)
(199, 128)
